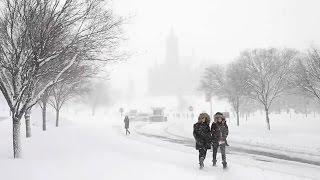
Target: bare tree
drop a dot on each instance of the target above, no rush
(35, 38)
(73, 84)
(212, 80)
(61, 93)
(212, 83)
(307, 74)
(267, 74)
(248, 107)
(225, 83)
(235, 87)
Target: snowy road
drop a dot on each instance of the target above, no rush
(299, 167)
(235, 148)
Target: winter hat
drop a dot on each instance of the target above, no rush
(218, 115)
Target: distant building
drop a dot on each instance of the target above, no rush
(175, 76)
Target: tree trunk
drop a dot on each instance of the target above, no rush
(44, 116)
(306, 110)
(28, 125)
(267, 118)
(57, 117)
(16, 138)
(238, 120)
(237, 111)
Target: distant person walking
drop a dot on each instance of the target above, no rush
(219, 131)
(202, 135)
(126, 124)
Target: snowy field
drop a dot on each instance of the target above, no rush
(96, 148)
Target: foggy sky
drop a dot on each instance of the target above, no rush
(216, 30)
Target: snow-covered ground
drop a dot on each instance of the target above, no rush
(96, 148)
(291, 134)
(286, 138)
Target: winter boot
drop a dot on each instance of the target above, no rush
(224, 165)
(201, 159)
(214, 162)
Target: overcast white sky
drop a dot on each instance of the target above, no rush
(214, 29)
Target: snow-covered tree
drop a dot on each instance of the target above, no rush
(307, 74)
(226, 83)
(235, 87)
(44, 38)
(268, 72)
(73, 84)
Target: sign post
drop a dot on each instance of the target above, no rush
(121, 110)
(191, 110)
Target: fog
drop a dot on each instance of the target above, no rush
(211, 31)
(130, 89)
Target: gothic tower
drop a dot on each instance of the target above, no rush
(172, 52)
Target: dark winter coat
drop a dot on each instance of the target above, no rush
(219, 131)
(202, 135)
(126, 122)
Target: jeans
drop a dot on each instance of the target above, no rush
(215, 147)
(202, 153)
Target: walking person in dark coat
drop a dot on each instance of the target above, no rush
(126, 124)
(219, 131)
(202, 135)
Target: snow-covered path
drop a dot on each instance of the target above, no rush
(102, 151)
(260, 159)
(179, 131)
